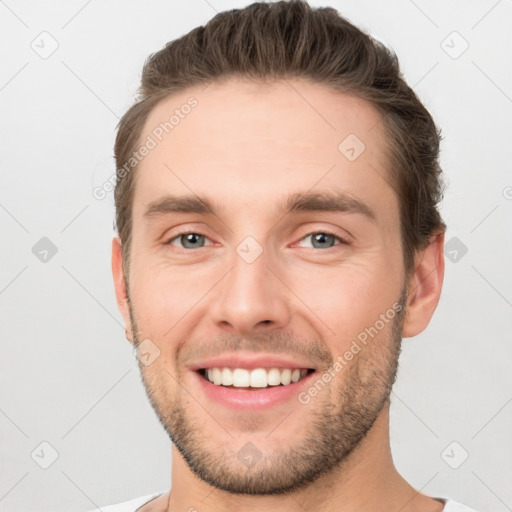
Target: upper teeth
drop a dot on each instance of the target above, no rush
(257, 378)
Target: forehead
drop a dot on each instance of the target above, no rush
(247, 143)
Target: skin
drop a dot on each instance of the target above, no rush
(246, 146)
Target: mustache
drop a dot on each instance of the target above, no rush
(274, 343)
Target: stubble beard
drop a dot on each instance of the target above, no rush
(341, 415)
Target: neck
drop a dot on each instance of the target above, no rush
(364, 481)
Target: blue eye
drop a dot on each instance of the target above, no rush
(322, 240)
(189, 240)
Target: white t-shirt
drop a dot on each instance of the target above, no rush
(133, 505)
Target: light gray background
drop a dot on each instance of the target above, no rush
(68, 376)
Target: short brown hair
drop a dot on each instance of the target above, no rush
(289, 39)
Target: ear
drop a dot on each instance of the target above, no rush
(424, 287)
(120, 286)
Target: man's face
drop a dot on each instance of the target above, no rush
(302, 286)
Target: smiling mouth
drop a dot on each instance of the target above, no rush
(252, 379)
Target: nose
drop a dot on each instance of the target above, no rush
(251, 298)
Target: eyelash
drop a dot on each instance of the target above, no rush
(323, 232)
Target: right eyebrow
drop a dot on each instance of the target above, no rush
(179, 204)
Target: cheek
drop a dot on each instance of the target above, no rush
(348, 299)
(163, 297)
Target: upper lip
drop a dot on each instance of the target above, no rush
(241, 360)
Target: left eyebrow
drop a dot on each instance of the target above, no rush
(293, 203)
(327, 202)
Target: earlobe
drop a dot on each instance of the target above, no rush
(120, 286)
(424, 287)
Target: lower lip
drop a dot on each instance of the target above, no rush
(252, 399)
